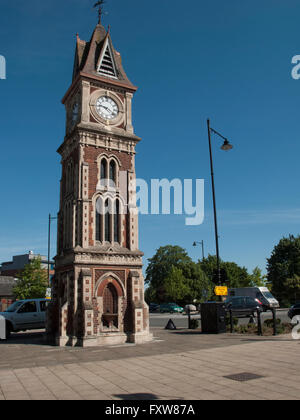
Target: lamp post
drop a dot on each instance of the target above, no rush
(49, 239)
(200, 243)
(226, 146)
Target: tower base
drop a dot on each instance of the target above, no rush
(101, 340)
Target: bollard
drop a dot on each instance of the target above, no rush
(259, 329)
(231, 321)
(274, 321)
(2, 328)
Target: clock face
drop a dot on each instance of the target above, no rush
(75, 113)
(107, 108)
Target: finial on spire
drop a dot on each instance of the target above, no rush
(100, 4)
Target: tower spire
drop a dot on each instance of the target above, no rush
(100, 4)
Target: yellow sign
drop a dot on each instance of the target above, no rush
(221, 291)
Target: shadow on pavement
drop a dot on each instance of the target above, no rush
(267, 338)
(188, 332)
(29, 338)
(137, 396)
(184, 331)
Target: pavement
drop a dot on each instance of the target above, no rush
(177, 365)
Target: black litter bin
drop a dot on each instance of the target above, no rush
(213, 318)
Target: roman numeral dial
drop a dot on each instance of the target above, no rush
(107, 108)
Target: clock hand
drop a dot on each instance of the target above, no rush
(107, 109)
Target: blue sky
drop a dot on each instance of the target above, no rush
(227, 61)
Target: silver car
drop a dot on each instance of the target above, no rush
(29, 314)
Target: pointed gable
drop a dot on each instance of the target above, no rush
(99, 58)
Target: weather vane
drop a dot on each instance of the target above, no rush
(100, 4)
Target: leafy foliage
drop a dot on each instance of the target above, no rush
(175, 285)
(161, 263)
(284, 270)
(257, 279)
(236, 276)
(32, 282)
(172, 276)
(194, 324)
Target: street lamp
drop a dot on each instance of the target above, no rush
(200, 243)
(49, 236)
(226, 147)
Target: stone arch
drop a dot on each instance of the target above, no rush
(107, 278)
(110, 295)
(109, 157)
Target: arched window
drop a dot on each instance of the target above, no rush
(117, 221)
(113, 172)
(110, 300)
(99, 219)
(107, 222)
(103, 170)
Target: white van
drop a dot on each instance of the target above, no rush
(263, 294)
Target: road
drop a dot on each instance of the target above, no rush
(181, 321)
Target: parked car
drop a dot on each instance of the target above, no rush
(170, 307)
(243, 305)
(294, 310)
(153, 307)
(29, 314)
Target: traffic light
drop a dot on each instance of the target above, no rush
(215, 277)
(222, 279)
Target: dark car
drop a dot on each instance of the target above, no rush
(243, 305)
(294, 311)
(153, 307)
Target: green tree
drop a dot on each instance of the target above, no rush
(175, 285)
(257, 278)
(159, 268)
(283, 269)
(150, 295)
(236, 276)
(32, 282)
(200, 286)
(172, 275)
(292, 284)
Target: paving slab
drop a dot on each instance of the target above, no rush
(180, 365)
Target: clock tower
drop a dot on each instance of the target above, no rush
(98, 289)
